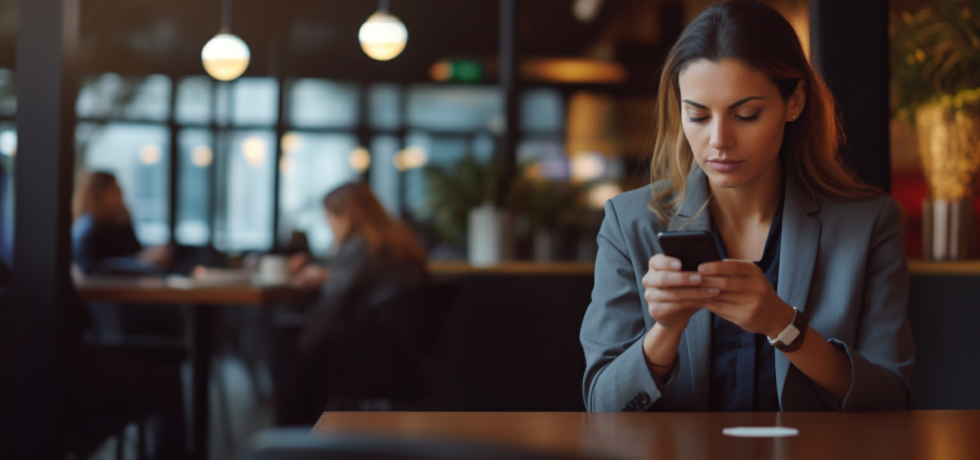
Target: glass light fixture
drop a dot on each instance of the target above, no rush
(383, 36)
(225, 56)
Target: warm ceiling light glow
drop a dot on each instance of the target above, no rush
(360, 159)
(383, 36)
(291, 143)
(441, 71)
(586, 10)
(150, 154)
(601, 193)
(572, 71)
(411, 158)
(225, 57)
(588, 167)
(202, 156)
(254, 150)
(286, 165)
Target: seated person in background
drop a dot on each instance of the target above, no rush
(103, 238)
(374, 253)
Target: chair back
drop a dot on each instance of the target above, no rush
(298, 444)
(390, 353)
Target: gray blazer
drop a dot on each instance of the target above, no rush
(841, 262)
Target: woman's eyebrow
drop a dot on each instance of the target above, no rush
(750, 98)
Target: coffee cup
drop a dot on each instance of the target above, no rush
(273, 269)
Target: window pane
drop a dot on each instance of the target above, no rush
(8, 93)
(247, 214)
(385, 106)
(194, 100)
(455, 108)
(541, 110)
(255, 101)
(196, 158)
(8, 151)
(384, 176)
(133, 98)
(318, 103)
(312, 165)
(137, 156)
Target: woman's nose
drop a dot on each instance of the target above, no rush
(721, 136)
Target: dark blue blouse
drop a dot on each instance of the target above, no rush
(743, 365)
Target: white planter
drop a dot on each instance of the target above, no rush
(946, 229)
(544, 245)
(485, 236)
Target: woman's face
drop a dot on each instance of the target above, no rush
(733, 117)
(339, 225)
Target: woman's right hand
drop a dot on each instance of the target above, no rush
(672, 295)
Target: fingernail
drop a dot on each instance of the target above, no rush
(714, 290)
(695, 278)
(675, 265)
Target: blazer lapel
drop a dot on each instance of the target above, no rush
(798, 254)
(693, 215)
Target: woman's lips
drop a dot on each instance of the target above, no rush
(725, 165)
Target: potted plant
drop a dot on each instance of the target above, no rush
(936, 83)
(550, 208)
(461, 202)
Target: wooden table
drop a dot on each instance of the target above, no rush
(203, 301)
(822, 435)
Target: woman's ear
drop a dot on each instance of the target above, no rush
(796, 101)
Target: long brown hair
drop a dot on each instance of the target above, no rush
(88, 198)
(370, 221)
(759, 36)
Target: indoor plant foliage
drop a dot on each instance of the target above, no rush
(936, 83)
(455, 191)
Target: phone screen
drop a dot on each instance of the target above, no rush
(693, 248)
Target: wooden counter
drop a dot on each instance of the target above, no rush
(686, 436)
(917, 267)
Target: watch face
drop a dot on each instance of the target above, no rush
(791, 334)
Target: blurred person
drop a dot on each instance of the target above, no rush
(747, 150)
(103, 238)
(373, 253)
(124, 378)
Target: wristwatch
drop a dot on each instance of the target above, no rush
(791, 337)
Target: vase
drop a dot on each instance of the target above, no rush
(485, 236)
(544, 245)
(946, 229)
(949, 143)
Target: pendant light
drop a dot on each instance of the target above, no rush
(383, 36)
(225, 56)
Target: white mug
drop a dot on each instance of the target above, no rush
(273, 269)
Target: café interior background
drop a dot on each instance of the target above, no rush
(334, 115)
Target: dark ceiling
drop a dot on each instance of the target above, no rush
(318, 37)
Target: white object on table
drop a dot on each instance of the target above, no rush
(760, 431)
(273, 270)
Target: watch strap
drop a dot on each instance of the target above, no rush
(801, 324)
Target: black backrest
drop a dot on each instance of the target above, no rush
(298, 444)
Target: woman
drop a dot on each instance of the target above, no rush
(374, 254)
(746, 147)
(103, 238)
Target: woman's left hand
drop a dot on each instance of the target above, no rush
(747, 298)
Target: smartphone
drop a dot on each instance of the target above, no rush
(693, 248)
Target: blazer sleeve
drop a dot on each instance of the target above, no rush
(883, 352)
(616, 375)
